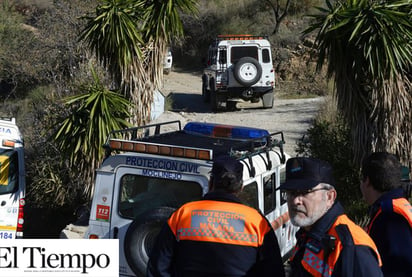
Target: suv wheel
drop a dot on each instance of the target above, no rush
(247, 71)
(141, 236)
(214, 103)
(205, 91)
(217, 101)
(231, 105)
(214, 99)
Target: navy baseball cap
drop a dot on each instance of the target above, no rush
(304, 173)
(223, 166)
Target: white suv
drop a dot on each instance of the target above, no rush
(239, 67)
(152, 170)
(167, 64)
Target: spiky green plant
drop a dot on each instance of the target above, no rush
(367, 46)
(94, 114)
(130, 37)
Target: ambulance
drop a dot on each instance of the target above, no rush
(150, 171)
(12, 180)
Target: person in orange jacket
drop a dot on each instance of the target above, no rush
(328, 242)
(390, 224)
(218, 235)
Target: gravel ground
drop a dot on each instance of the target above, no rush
(292, 116)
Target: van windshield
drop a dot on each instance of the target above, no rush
(139, 194)
(8, 171)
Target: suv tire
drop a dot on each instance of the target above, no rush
(217, 101)
(205, 91)
(247, 71)
(214, 100)
(141, 236)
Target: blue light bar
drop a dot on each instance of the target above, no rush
(224, 131)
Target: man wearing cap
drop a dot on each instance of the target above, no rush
(217, 236)
(328, 242)
(390, 212)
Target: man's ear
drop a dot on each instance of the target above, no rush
(331, 196)
(367, 181)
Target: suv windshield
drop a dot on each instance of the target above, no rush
(140, 194)
(8, 171)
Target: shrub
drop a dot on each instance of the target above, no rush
(329, 139)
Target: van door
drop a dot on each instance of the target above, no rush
(11, 194)
(260, 193)
(288, 229)
(276, 210)
(141, 205)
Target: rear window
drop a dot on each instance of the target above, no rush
(249, 195)
(283, 198)
(265, 56)
(9, 172)
(243, 51)
(140, 194)
(269, 183)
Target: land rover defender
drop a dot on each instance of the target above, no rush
(238, 67)
(151, 170)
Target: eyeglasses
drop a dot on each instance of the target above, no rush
(296, 193)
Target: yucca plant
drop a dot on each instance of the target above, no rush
(130, 37)
(93, 115)
(367, 46)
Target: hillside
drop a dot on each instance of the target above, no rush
(42, 62)
(295, 71)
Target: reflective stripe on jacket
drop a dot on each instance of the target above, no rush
(216, 236)
(316, 254)
(400, 206)
(229, 223)
(390, 227)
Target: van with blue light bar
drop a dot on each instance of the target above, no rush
(12, 180)
(225, 131)
(151, 170)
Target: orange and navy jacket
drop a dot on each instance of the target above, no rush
(335, 246)
(216, 236)
(391, 229)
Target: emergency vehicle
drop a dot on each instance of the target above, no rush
(12, 180)
(151, 170)
(238, 68)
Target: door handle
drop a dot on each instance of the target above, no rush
(115, 232)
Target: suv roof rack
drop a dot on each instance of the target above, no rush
(241, 37)
(196, 141)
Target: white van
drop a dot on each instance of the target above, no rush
(12, 180)
(151, 170)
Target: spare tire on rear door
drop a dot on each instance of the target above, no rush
(141, 236)
(247, 71)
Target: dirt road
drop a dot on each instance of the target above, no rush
(293, 117)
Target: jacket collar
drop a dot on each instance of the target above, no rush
(221, 196)
(387, 196)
